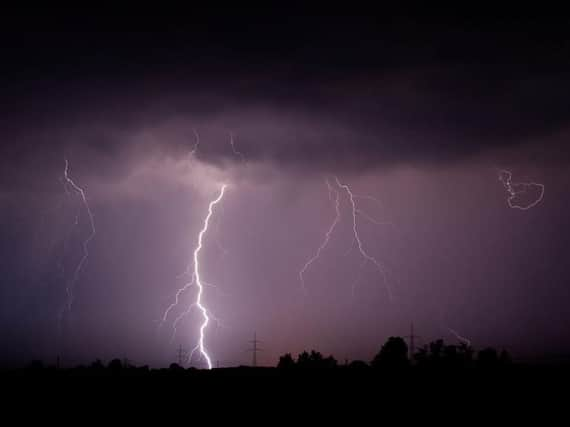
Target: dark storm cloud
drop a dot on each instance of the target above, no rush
(309, 94)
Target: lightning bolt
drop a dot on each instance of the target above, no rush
(70, 184)
(459, 337)
(235, 151)
(334, 193)
(196, 280)
(516, 188)
(365, 255)
(327, 234)
(196, 144)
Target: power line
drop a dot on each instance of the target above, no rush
(412, 344)
(182, 354)
(255, 349)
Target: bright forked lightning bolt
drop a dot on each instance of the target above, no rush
(327, 234)
(196, 280)
(198, 302)
(516, 188)
(71, 284)
(365, 255)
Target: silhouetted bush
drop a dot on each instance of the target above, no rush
(393, 354)
(115, 366)
(286, 362)
(488, 358)
(175, 367)
(358, 364)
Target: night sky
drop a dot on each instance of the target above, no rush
(420, 112)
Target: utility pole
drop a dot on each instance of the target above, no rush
(181, 355)
(412, 344)
(255, 349)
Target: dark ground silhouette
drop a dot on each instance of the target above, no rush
(392, 360)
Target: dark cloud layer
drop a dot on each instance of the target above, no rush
(304, 92)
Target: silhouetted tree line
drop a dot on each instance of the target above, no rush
(393, 356)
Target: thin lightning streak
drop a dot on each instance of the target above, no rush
(505, 177)
(71, 285)
(178, 319)
(196, 144)
(366, 197)
(217, 288)
(236, 152)
(459, 337)
(327, 234)
(360, 246)
(452, 331)
(176, 300)
(372, 220)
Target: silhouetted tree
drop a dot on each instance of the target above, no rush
(437, 354)
(36, 364)
(436, 349)
(286, 362)
(97, 365)
(315, 360)
(303, 360)
(393, 354)
(115, 366)
(466, 353)
(505, 358)
(358, 364)
(488, 357)
(422, 356)
(330, 362)
(175, 367)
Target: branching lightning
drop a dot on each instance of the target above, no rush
(327, 234)
(69, 185)
(516, 188)
(200, 284)
(365, 255)
(356, 237)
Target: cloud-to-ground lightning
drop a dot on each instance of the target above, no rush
(70, 286)
(200, 284)
(365, 255)
(326, 240)
(517, 188)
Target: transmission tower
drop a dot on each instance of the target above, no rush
(255, 349)
(412, 343)
(182, 354)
